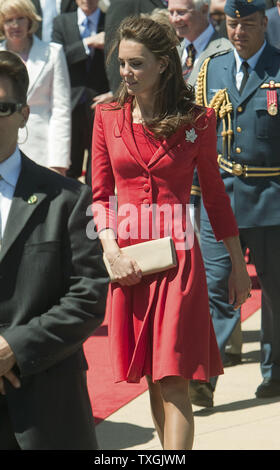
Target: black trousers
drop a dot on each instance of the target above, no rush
(81, 136)
(7, 436)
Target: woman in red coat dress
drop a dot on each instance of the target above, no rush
(146, 146)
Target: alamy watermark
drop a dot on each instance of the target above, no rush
(149, 222)
(162, 459)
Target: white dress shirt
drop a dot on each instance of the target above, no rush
(252, 62)
(94, 19)
(9, 171)
(49, 12)
(43, 4)
(199, 43)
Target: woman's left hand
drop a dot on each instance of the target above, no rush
(239, 286)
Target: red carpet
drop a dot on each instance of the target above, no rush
(254, 302)
(106, 396)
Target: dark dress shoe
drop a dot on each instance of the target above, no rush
(201, 393)
(268, 388)
(232, 360)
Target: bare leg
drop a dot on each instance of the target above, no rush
(156, 407)
(179, 423)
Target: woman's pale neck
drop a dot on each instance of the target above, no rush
(20, 47)
(143, 108)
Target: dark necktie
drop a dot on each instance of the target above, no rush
(189, 61)
(244, 68)
(87, 32)
(87, 25)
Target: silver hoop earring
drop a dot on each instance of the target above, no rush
(26, 136)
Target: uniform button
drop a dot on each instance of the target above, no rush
(239, 129)
(146, 188)
(238, 150)
(240, 109)
(146, 201)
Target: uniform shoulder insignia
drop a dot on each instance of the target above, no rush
(223, 50)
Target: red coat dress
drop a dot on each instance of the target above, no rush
(161, 326)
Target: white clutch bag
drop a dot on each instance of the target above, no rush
(152, 257)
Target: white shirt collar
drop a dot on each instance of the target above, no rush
(58, 5)
(202, 40)
(11, 168)
(94, 17)
(252, 61)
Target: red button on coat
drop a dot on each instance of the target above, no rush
(146, 188)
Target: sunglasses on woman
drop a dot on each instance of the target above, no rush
(7, 109)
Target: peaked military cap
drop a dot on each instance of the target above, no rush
(240, 8)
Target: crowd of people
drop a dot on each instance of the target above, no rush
(134, 109)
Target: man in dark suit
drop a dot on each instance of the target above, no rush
(48, 9)
(247, 79)
(82, 35)
(53, 290)
(117, 11)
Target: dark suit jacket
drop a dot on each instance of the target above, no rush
(66, 6)
(92, 79)
(118, 10)
(52, 297)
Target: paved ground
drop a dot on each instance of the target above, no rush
(238, 421)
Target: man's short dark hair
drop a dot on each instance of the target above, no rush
(12, 67)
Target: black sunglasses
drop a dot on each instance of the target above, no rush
(6, 109)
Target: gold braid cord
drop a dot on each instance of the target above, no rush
(201, 84)
(220, 103)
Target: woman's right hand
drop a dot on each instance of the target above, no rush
(125, 270)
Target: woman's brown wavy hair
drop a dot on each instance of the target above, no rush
(174, 103)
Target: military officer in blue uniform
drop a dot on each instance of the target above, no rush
(243, 86)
